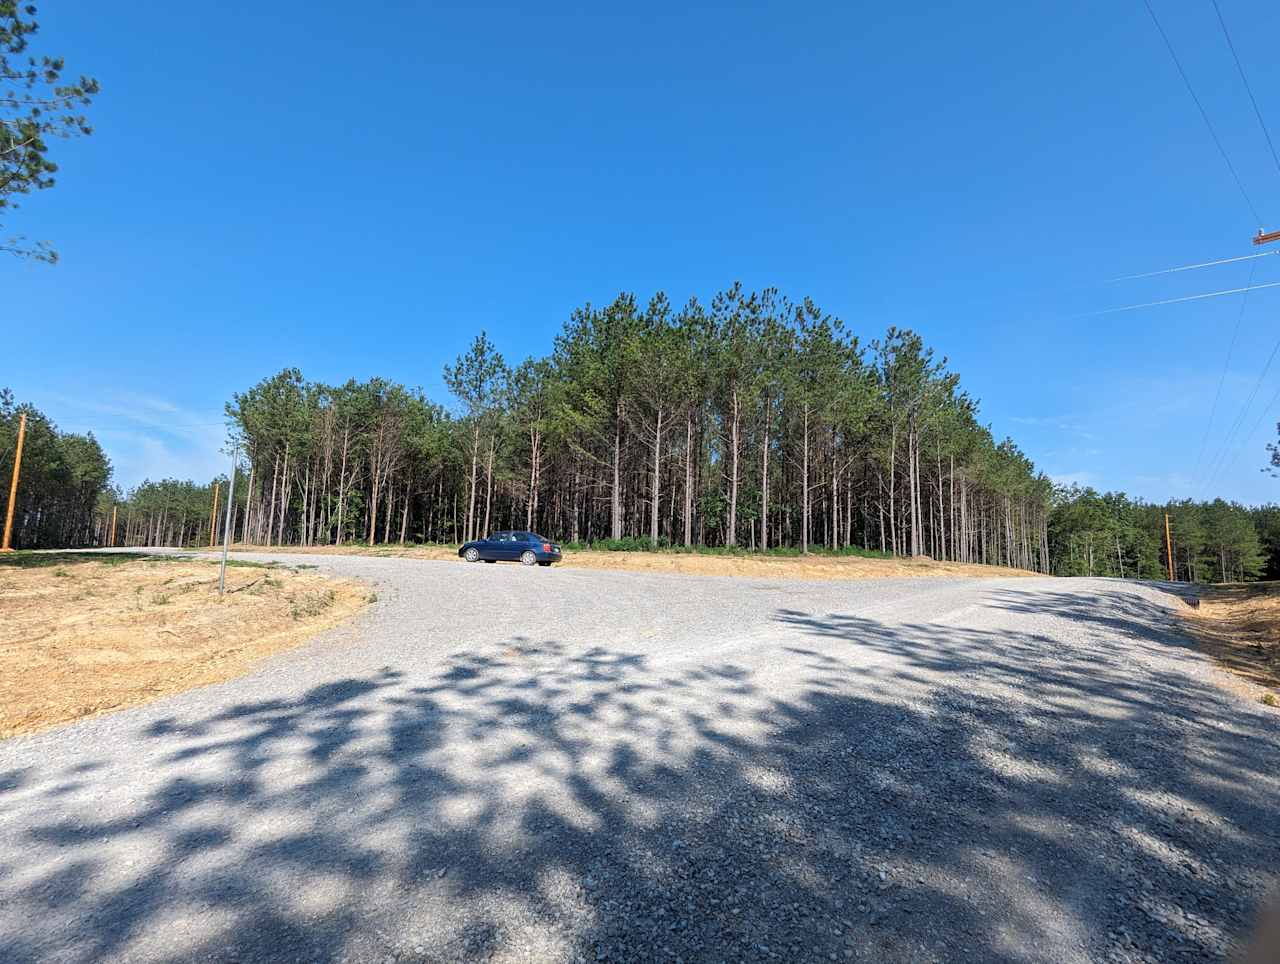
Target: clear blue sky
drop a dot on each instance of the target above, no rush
(357, 189)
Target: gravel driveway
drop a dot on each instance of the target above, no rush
(494, 763)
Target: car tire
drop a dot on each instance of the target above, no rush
(472, 555)
(527, 558)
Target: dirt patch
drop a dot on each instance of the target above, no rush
(1240, 626)
(813, 567)
(782, 567)
(84, 634)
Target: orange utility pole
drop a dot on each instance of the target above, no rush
(1266, 238)
(1168, 546)
(111, 540)
(213, 516)
(13, 485)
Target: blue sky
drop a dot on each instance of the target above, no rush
(358, 189)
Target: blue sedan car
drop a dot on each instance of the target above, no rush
(527, 548)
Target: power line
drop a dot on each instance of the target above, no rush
(1203, 113)
(1249, 90)
(1262, 416)
(1174, 301)
(1221, 461)
(1190, 267)
(1226, 363)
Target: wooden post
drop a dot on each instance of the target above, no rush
(1168, 546)
(213, 516)
(13, 484)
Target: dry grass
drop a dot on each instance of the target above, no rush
(761, 567)
(1240, 626)
(81, 635)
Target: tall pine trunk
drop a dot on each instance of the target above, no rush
(657, 477)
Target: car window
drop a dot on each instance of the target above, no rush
(538, 538)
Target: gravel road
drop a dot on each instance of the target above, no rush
(494, 763)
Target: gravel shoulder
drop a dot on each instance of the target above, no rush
(815, 567)
(492, 763)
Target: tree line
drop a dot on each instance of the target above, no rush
(1111, 534)
(750, 422)
(64, 475)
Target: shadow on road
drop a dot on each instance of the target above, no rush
(917, 792)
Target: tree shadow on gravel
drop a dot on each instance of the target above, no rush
(912, 793)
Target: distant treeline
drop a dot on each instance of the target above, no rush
(751, 423)
(63, 477)
(1110, 534)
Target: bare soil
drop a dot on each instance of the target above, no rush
(1240, 626)
(84, 634)
(763, 567)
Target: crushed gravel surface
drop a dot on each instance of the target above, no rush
(500, 764)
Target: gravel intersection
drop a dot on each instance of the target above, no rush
(499, 764)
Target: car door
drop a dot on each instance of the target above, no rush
(505, 546)
(523, 543)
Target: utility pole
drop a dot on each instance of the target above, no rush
(1168, 546)
(213, 517)
(13, 484)
(226, 529)
(1267, 237)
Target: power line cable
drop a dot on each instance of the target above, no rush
(1190, 267)
(1203, 114)
(1221, 461)
(1175, 301)
(1262, 417)
(1226, 363)
(1248, 89)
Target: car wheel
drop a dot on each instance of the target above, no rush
(472, 555)
(527, 558)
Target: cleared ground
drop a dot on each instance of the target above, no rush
(501, 764)
(700, 564)
(81, 634)
(1240, 625)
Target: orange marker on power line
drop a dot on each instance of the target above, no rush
(13, 485)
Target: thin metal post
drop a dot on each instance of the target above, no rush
(226, 528)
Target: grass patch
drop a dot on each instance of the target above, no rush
(306, 605)
(30, 559)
